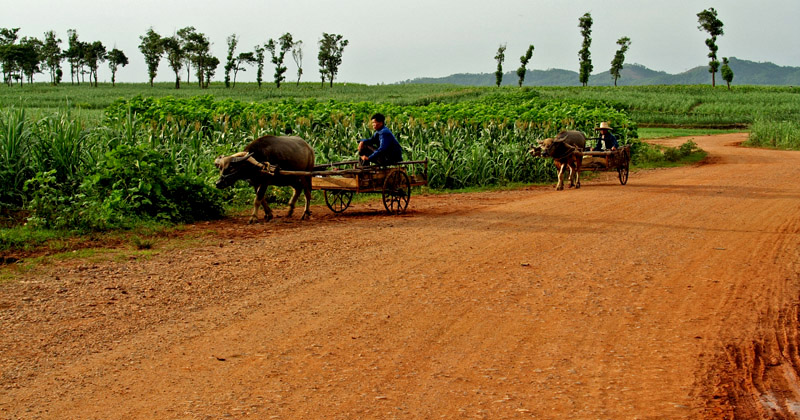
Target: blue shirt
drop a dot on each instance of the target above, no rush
(388, 149)
(609, 140)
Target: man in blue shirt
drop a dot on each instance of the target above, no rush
(382, 148)
(605, 138)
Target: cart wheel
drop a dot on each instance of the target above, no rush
(338, 200)
(396, 191)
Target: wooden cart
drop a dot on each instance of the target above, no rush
(619, 160)
(339, 181)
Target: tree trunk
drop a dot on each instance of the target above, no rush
(177, 81)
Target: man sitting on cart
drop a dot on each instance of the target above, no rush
(605, 138)
(382, 148)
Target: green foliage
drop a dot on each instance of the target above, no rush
(331, 48)
(140, 183)
(727, 73)
(152, 48)
(14, 142)
(116, 58)
(523, 63)
(500, 57)
(230, 62)
(619, 57)
(646, 155)
(709, 22)
(586, 67)
(278, 52)
(50, 206)
(779, 134)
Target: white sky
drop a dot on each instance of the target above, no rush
(400, 40)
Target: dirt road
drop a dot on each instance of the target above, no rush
(675, 296)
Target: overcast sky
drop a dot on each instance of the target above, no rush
(392, 41)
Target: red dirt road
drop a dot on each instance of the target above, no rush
(675, 296)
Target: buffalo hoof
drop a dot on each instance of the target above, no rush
(306, 215)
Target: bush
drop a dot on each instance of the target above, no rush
(137, 182)
(133, 184)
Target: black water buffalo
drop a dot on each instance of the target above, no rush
(261, 163)
(566, 149)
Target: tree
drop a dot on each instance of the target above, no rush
(708, 22)
(259, 55)
(94, 54)
(727, 73)
(331, 47)
(198, 53)
(585, 23)
(230, 64)
(74, 55)
(28, 57)
(8, 51)
(187, 36)
(241, 59)
(500, 57)
(176, 56)
(52, 57)
(619, 57)
(116, 58)
(152, 48)
(297, 55)
(523, 61)
(278, 56)
(210, 64)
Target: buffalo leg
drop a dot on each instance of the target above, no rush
(573, 178)
(295, 195)
(560, 184)
(261, 200)
(307, 192)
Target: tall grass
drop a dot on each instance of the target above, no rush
(15, 140)
(777, 134)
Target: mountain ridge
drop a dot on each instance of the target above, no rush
(745, 73)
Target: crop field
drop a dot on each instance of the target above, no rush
(78, 157)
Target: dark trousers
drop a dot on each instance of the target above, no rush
(369, 147)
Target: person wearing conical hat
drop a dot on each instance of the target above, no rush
(605, 140)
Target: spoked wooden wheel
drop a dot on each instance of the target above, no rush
(338, 200)
(396, 191)
(622, 172)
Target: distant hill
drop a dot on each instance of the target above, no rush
(745, 73)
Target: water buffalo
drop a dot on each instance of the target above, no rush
(566, 149)
(261, 163)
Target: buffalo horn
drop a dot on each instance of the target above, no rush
(237, 159)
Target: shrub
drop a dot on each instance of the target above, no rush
(137, 182)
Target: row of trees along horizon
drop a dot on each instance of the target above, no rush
(707, 20)
(190, 49)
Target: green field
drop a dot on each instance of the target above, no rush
(88, 159)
